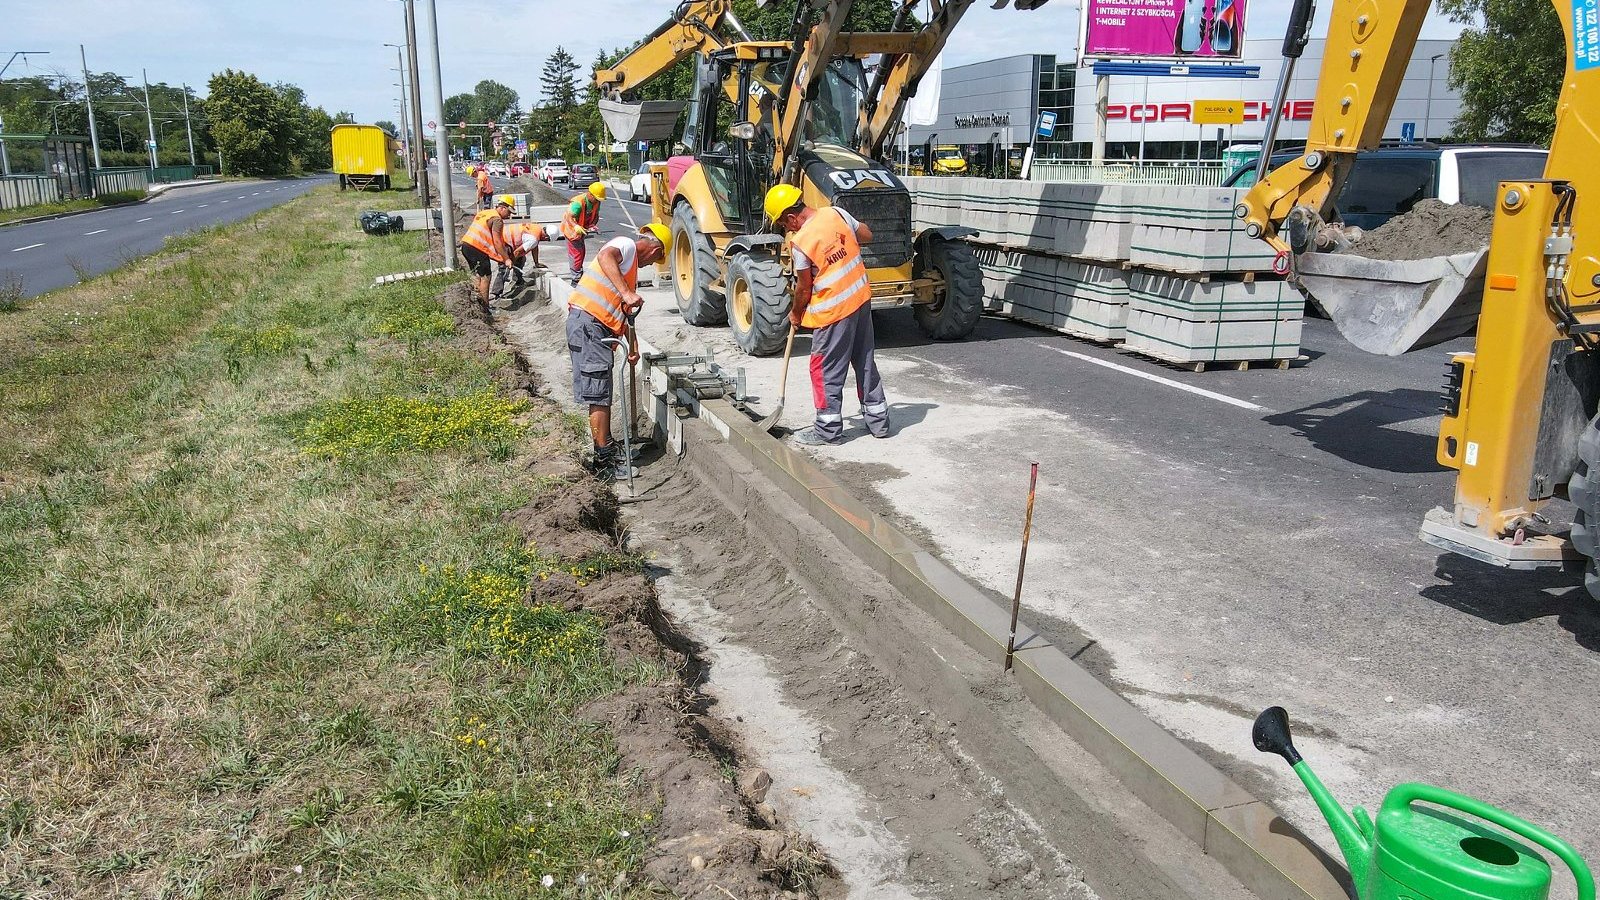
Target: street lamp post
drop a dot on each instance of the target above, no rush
(88, 100)
(416, 103)
(447, 209)
(120, 147)
(187, 125)
(1427, 114)
(149, 121)
(405, 133)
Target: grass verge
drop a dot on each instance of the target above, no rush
(117, 198)
(267, 628)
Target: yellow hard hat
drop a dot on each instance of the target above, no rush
(660, 233)
(508, 200)
(780, 199)
(598, 189)
(469, 170)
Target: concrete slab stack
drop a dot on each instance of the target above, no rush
(1185, 321)
(1193, 230)
(1166, 269)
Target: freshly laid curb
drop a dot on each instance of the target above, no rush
(1252, 841)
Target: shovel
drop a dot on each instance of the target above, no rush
(783, 384)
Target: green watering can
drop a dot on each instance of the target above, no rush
(1424, 853)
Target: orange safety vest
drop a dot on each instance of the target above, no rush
(839, 282)
(481, 235)
(484, 187)
(588, 216)
(513, 232)
(597, 296)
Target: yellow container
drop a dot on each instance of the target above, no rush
(364, 157)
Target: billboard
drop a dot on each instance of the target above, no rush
(1202, 29)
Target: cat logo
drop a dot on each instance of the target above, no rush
(859, 177)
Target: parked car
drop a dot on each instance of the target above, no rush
(581, 175)
(1388, 181)
(520, 168)
(553, 171)
(639, 184)
(498, 169)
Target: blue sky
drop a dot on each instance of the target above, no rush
(334, 48)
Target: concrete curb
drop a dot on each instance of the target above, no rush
(1255, 844)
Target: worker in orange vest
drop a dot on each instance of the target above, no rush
(485, 189)
(522, 246)
(600, 315)
(484, 244)
(833, 298)
(581, 218)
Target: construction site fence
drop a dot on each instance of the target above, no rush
(1083, 172)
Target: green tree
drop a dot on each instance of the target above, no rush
(494, 102)
(251, 123)
(386, 125)
(557, 122)
(1508, 66)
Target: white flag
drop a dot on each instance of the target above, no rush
(923, 109)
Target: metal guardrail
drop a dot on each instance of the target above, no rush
(28, 190)
(1129, 173)
(111, 181)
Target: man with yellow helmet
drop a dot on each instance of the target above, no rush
(522, 247)
(833, 298)
(600, 315)
(484, 244)
(578, 222)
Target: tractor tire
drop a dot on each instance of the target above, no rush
(1584, 492)
(694, 271)
(954, 314)
(758, 303)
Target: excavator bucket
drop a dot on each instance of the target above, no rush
(651, 120)
(1390, 307)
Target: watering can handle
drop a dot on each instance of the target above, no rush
(1404, 795)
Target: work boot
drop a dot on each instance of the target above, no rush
(810, 438)
(608, 464)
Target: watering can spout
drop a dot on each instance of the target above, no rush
(1352, 832)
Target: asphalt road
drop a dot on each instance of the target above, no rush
(1211, 544)
(44, 254)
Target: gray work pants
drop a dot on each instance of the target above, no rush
(835, 350)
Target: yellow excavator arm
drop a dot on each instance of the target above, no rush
(693, 29)
(1369, 46)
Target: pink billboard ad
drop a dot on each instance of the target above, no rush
(1207, 29)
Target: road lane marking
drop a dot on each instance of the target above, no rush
(145, 219)
(224, 201)
(256, 194)
(202, 206)
(96, 231)
(174, 212)
(29, 247)
(240, 197)
(1213, 395)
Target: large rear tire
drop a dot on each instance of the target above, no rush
(694, 271)
(758, 303)
(1584, 492)
(956, 311)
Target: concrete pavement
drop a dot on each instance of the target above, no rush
(1213, 544)
(47, 254)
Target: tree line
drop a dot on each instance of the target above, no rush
(260, 129)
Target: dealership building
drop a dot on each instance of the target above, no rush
(1149, 116)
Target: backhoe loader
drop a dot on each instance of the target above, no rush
(803, 111)
(1519, 421)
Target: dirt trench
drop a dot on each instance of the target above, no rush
(713, 838)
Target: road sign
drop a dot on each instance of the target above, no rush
(433, 126)
(522, 145)
(1408, 131)
(644, 145)
(1217, 112)
(462, 124)
(149, 145)
(1047, 124)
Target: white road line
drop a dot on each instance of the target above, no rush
(96, 231)
(29, 247)
(240, 197)
(202, 206)
(1213, 395)
(174, 212)
(145, 219)
(224, 201)
(255, 194)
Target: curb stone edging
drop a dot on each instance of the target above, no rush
(1252, 841)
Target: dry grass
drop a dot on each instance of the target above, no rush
(209, 684)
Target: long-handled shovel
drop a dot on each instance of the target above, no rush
(783, 384)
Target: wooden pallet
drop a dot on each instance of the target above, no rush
(1236, 365)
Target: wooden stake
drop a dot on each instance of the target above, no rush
(1022, 565)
